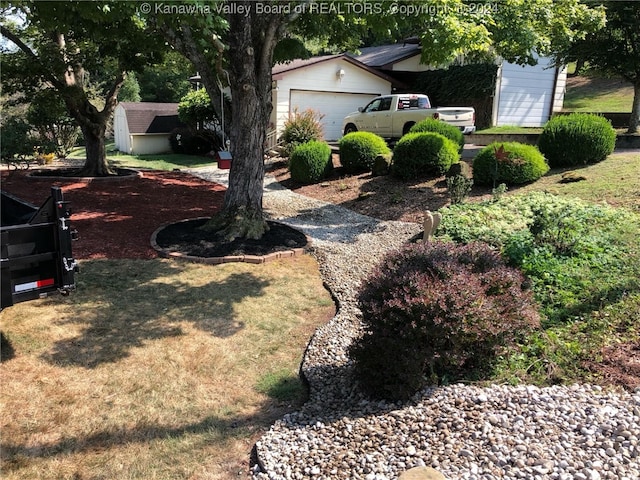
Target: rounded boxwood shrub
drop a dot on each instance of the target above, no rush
(310, 162)
(423, 154)
(511, 163)
(577, 139)
(438, 310)
(359, 150)
(437, 126)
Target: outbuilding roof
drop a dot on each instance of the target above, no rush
(151, 117)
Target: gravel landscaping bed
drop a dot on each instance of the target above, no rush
(464, 431)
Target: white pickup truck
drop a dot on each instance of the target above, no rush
(391, 116)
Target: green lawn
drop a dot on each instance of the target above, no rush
(160, 161)
(592, 94)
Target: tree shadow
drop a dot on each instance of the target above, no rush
(7, 352)
(140, 434)
(157, 304)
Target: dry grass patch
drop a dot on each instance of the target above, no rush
(613, 181)
(155, 369)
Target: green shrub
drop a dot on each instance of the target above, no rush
(459, 187)
(359, 150)
(382, 165)
(432, 125)
(195, 109)
(17, 141)
(577, 139)
(440, 310)
(459, 168)
(310, 162)
(511, 163)
(299, 128)
(578, 256)
(423, 154)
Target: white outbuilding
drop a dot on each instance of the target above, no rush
(143, 128)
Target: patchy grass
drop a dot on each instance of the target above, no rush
(614, 181)
(594, 94)
(155, 369)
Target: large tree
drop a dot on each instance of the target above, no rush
(64, 45)
(238, 39)
(614, 50)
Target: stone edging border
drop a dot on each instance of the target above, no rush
(115, 178)
(253, 259)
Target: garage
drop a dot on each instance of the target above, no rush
(332, 85)
(334, 107)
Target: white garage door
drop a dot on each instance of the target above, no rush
(334, 107)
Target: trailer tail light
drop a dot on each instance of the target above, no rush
(23, 287)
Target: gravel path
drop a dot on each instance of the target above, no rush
(500, 432)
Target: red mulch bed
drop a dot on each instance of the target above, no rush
(116, 218)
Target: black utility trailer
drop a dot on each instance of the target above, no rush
(36, 252)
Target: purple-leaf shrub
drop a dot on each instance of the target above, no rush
(438, 310)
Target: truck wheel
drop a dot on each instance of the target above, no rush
(350, 129)
(407, 127)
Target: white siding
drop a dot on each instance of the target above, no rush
(525, 94)
(319, 86)
(150, 143)
(561, 87)
(121, 130)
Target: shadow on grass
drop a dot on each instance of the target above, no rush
(16, 455)
(120, 305)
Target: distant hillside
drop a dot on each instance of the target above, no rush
(593, 94)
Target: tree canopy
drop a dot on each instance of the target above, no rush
(71, 45)
(613, 50)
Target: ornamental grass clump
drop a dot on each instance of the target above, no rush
(419, 155)
(359, 150)
(310, 162)
(438, 312)
(577, 139)
(511, 163)
(437, 126)
(300, 128)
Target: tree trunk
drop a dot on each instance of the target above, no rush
(94, 126)
(96, 164)
(251, 42)
(634, 121)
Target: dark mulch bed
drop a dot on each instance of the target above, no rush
(188, 238)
